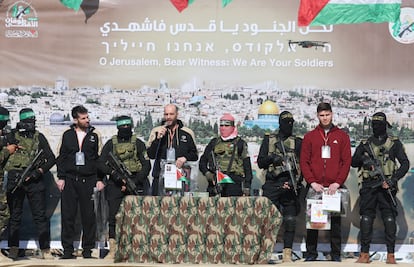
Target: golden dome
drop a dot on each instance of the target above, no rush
(268, 108)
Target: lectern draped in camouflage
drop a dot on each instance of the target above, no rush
(196, 230)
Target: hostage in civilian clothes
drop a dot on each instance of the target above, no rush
(77, 170)
(325, 160)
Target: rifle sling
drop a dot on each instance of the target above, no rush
(232, 155)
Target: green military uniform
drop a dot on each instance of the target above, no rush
(232, 159)
(4, 211)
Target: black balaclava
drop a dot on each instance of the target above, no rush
(379, 125)
(4, 117)
(27, 121)
(124, 125)
(286, 124)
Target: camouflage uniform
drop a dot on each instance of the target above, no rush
(4, 211)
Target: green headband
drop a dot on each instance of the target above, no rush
(123, 122)
(378, 118)
(4, 117)
(226, 123)
(286, 116)
(26, 115)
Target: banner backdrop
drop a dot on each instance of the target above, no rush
(134, 56)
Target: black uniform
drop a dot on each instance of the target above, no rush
(183, 143)
(284, 199)
(34, 188)
(372, 195)
(79, 183)
(114, 195)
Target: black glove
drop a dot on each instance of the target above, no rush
(212, 190)
(209, 175)
(117, 177)
(367, 162)
(277, 160)
(34, 175)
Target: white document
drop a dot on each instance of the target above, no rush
(170, 177)
(331, 202)
(318, 214)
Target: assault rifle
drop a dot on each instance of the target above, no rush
(287, 167)
(7, 137)
(118, 166)
(36, 162)
(215, 169)
(377, 171)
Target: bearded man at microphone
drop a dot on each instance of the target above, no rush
(170, 141)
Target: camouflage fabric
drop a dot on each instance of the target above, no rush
(237, 230)
(4, 209)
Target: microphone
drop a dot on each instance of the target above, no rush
(165, 124)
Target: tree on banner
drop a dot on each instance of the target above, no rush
(328, 12)
(223, 178)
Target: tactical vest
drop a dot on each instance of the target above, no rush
(381, 153)
(127, 153)
(224, 151)
(25, 155)
(275, 148)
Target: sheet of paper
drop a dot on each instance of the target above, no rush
(331, 202)
(170, 177)
(318, 214)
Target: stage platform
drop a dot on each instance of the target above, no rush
(80, 262)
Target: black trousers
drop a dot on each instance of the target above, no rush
(35, 192)
(288, 205)
(312, 239)
(78, 192)
(370, 200)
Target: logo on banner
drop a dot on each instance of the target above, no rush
(403, 30)
(21, 21)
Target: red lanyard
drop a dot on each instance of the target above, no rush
(325, 138)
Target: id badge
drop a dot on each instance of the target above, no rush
(326, 152)
(80, 158)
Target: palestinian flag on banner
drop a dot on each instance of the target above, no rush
(74, 4)
(181, 177)
(223, 178)
(180, 5)
(328, 12)
(224, 3)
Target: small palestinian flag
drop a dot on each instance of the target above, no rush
(223, 178)
(181, 177)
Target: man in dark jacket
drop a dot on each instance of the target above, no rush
(30, 142)
(325, 160)
(78, 175)
(170, 141)
(132, 153)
